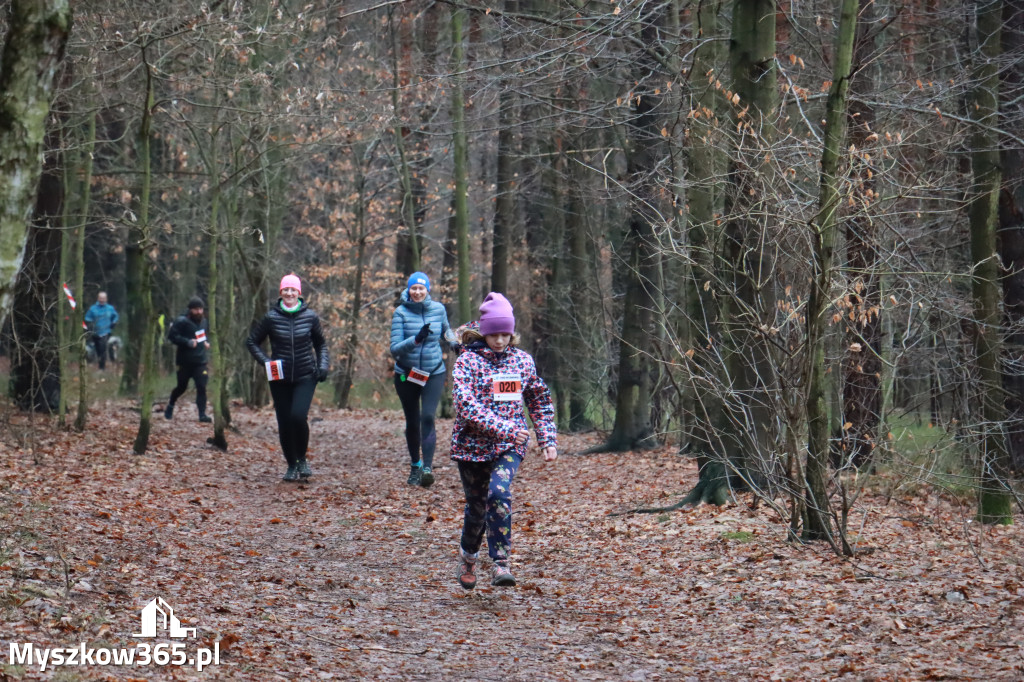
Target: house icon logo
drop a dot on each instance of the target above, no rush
(159, 613)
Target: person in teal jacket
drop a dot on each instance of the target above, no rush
(101, 318)
(419, 328)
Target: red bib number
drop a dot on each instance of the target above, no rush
(275, 370)
(201, 336)
(506, 387)
(417, 376)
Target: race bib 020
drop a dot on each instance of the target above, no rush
(506, 387)
(275, 370)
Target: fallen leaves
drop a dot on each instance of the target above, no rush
(352, 576)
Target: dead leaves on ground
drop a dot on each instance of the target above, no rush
(352, 575)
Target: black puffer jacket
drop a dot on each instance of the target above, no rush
(181, 333)
(296, 338)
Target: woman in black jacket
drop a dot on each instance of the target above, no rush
(298, 360)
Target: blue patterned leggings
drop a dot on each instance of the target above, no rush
(488, 488)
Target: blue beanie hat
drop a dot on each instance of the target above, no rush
(418, 278)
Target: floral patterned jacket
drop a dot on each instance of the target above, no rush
(487, 412)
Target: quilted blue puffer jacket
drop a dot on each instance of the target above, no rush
(408, 319)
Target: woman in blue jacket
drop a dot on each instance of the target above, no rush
(419, 327)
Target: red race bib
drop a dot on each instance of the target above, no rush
(506, 387)
(275, 370)
(417, 376)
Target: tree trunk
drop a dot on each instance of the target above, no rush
(1011, 234)
(268, 186)
(996, 501)
(409, 243)
(579, 301)
(85, 206)
(347, 358)
(229, 360)
(217, 329)
(505, 209)
(505, 212)
(35, 357)
(37, 31)
(553, 340)
(460, 205)
(448, 287)
(744, 432)
(862, 370)
(817, 521)
(135, 323)
(421, 54)
(701, 289)
(347, 361)
(65, 314)
(146, 318)
(632, 426)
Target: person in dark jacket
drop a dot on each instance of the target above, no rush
(297, 361)
(189, 333)
(419, 327)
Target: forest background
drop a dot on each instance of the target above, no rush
(785, 238)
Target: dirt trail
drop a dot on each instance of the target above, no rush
(352, 575)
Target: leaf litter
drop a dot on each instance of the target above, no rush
(352, 575)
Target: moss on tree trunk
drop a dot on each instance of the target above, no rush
(36, 36)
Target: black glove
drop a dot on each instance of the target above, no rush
(423, 333)
(321, 375)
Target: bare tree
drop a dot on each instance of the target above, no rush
(995, 504)
(36, 36)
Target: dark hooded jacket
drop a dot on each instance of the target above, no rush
(296, 338)
(181, 332)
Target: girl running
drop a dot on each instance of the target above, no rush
(492, 380)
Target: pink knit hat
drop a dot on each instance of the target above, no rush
(496, 315)
(290, 282)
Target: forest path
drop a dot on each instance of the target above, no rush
(352, 575)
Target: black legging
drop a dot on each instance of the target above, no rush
(419, 424)
(100, 344)
(291, 404)
(199, 375)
